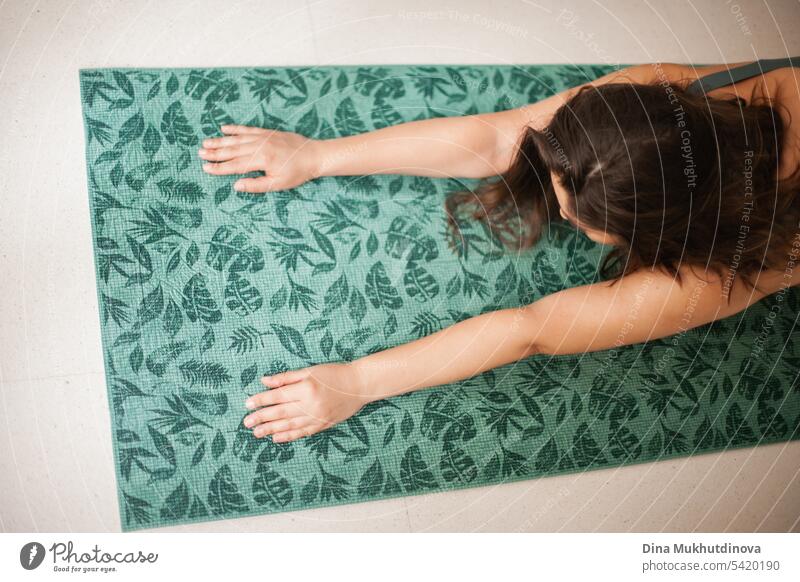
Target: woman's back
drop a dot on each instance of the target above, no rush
(753, 81)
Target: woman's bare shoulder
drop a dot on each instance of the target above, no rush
(731, 292)
(708, 295)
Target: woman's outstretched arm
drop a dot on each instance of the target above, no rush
(469, 146)
(641, 306)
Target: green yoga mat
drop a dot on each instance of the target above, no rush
(202, 290)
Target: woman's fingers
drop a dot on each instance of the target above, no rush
(272, 397)
(283, 425)
(284, 378)
(270, 413)
(240, 165)
(226, 153)
(229, 140)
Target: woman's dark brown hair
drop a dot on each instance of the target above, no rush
(679, 179)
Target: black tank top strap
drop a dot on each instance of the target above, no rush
(740, 73)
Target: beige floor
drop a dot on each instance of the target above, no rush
(56, 469)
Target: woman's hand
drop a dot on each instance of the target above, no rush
(303, 402)
(288, 159)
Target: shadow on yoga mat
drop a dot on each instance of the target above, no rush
(203, 290)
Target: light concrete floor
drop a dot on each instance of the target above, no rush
(56, 469)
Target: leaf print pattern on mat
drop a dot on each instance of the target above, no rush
(202, 290)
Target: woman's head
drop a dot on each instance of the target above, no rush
(664, 177)
(567, 212)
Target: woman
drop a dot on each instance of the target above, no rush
(695, 188)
